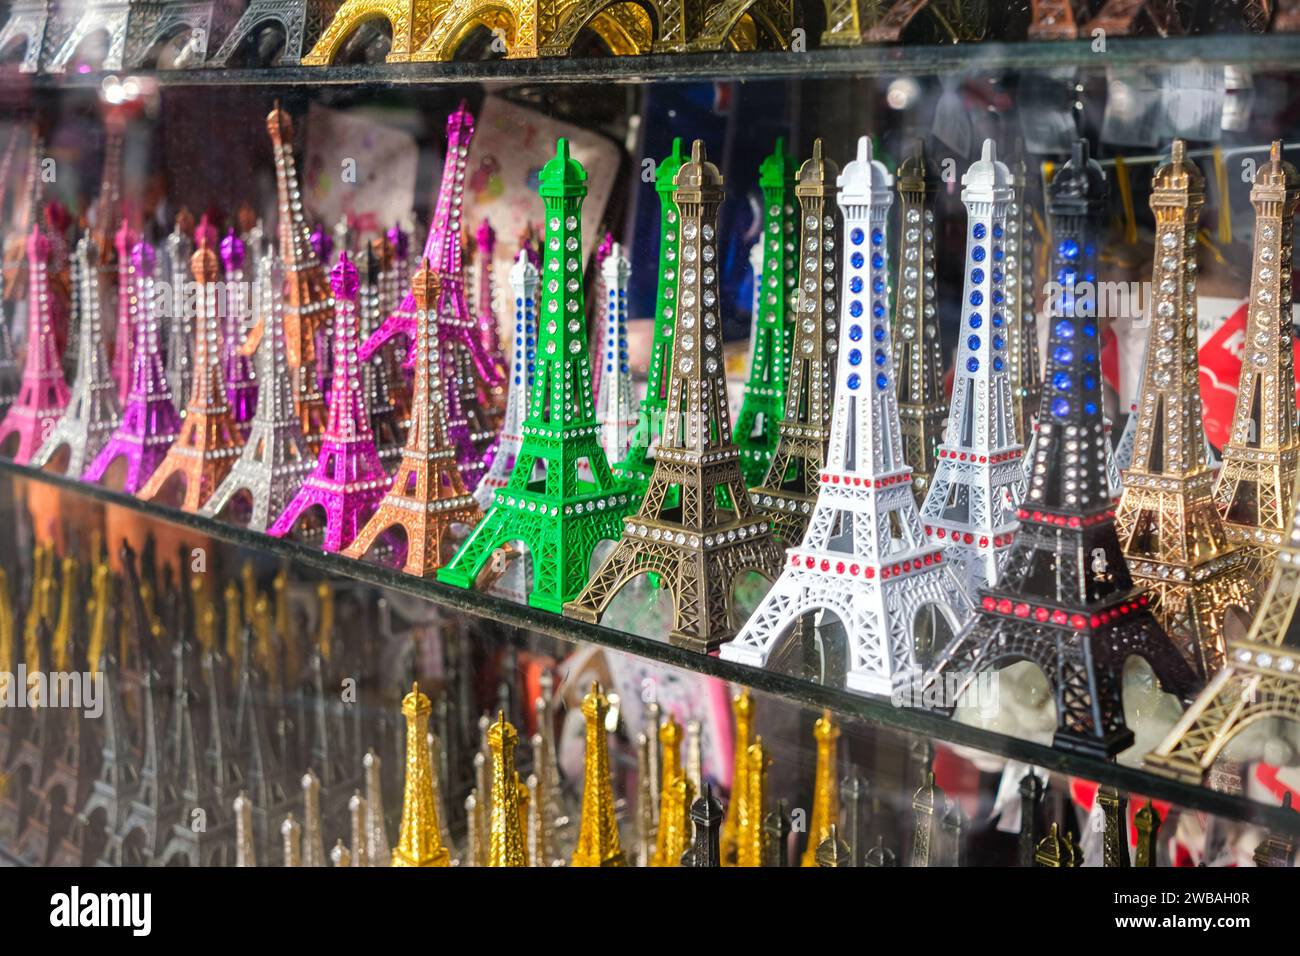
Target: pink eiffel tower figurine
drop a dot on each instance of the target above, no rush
(209, 441)
(463, 353)
(128, 310)
(241, 382)
(489, 331)
(93, 411)
(349, 481)
(43, 394)
(149, 420)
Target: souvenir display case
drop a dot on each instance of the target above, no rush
(747, 433)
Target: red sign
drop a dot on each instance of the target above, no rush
(1220, 359)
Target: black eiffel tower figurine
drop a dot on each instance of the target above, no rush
(1065, 600)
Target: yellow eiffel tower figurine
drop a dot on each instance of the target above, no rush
(506, 842)
(598, 842)
(742, 712)
(420, 842)
(670, 747)
(750, 848)
(826, 788)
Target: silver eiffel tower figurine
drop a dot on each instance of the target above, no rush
(180, 334)
(275, 459)
(93, 412)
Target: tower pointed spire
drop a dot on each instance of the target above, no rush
(420, 841)
(970, 508)
(209, 441)
(826, 786)
(1023, 361)
(92, 413)
(179, 315)
(1170, 530)
(427, 497)
(764, 401)
(1065, 599)
(695, 527)
(348, 480)
(506, 843)
(614, 391)
(598, 840)
(237, 365)
(864, 548)
(275, 458)
(559, 518)
(129, 309)
(790, 488)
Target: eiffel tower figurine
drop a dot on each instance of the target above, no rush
(684, 532)
(427, 497)
(485, 307)
(788, 492)
(275, 459)
(43, 394)
(558, 517)
(241, 383)
(301, 23)
(523, 286)
(92, 413)
(348, 480)
(970, 508)
(639, 463)
(1065, 600)
(865, 556)
(598, 841)
(1260, 678)
(764, 401)
(307, 303)
(179, 247)
(1023, 360)
(209, 442)
(921, 403)
(1255, 490)
(129, 309)
(150, 423)
(386, 403)
(614, 394)
(1168, 525)
(463, 353)
(29, 21)
(419, 842)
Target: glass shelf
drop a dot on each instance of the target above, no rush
(1271, 52)
(873, 710)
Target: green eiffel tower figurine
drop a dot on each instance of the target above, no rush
(639, 463)
(557, 517)
(764, 402)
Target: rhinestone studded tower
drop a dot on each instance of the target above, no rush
(1065, 600)
(639, 463)
(241, 383)
(790, 488)
(348, 480)
(129, 310)
(1168, 525)
(1255, 489)
(149, 420)
(970, 509)
(559, 517)
(427, 497)
(921, 404)
(764, 401)
(865, 557)
(614, 394)
(388, 406)
(684, 533)
(1023, 360)
(179, 249)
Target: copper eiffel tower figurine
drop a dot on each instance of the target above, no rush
(1255, 489)
(209, 441)
(1168, 525)
(790, 488)
(428, 496)
(696, 528)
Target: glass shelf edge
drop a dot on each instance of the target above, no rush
(877, 711)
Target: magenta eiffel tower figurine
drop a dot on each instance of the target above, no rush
(241, 383)
(463, 354)
(349, 481)
(128, 311)
(485, 304)
(43, 394)
(149, 420)
(93, 412)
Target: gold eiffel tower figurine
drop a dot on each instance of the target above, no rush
(826, 787)
(598, 842)
(670, 747)
(1255, 490)
(420, 842)
(742, 712)
(506, 843)
(1168, 525)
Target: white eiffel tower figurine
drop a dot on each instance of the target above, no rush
(276, 458)
(756, 270)
(614, 400)
(865, 557)
(93, 412)
(523, 280)
(970, 509)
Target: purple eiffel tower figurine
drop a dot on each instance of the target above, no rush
(43, 394)
(128, 311)
(463, 352)
(349, 481)
(149, 420)
(322, 243)
(241, 383)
